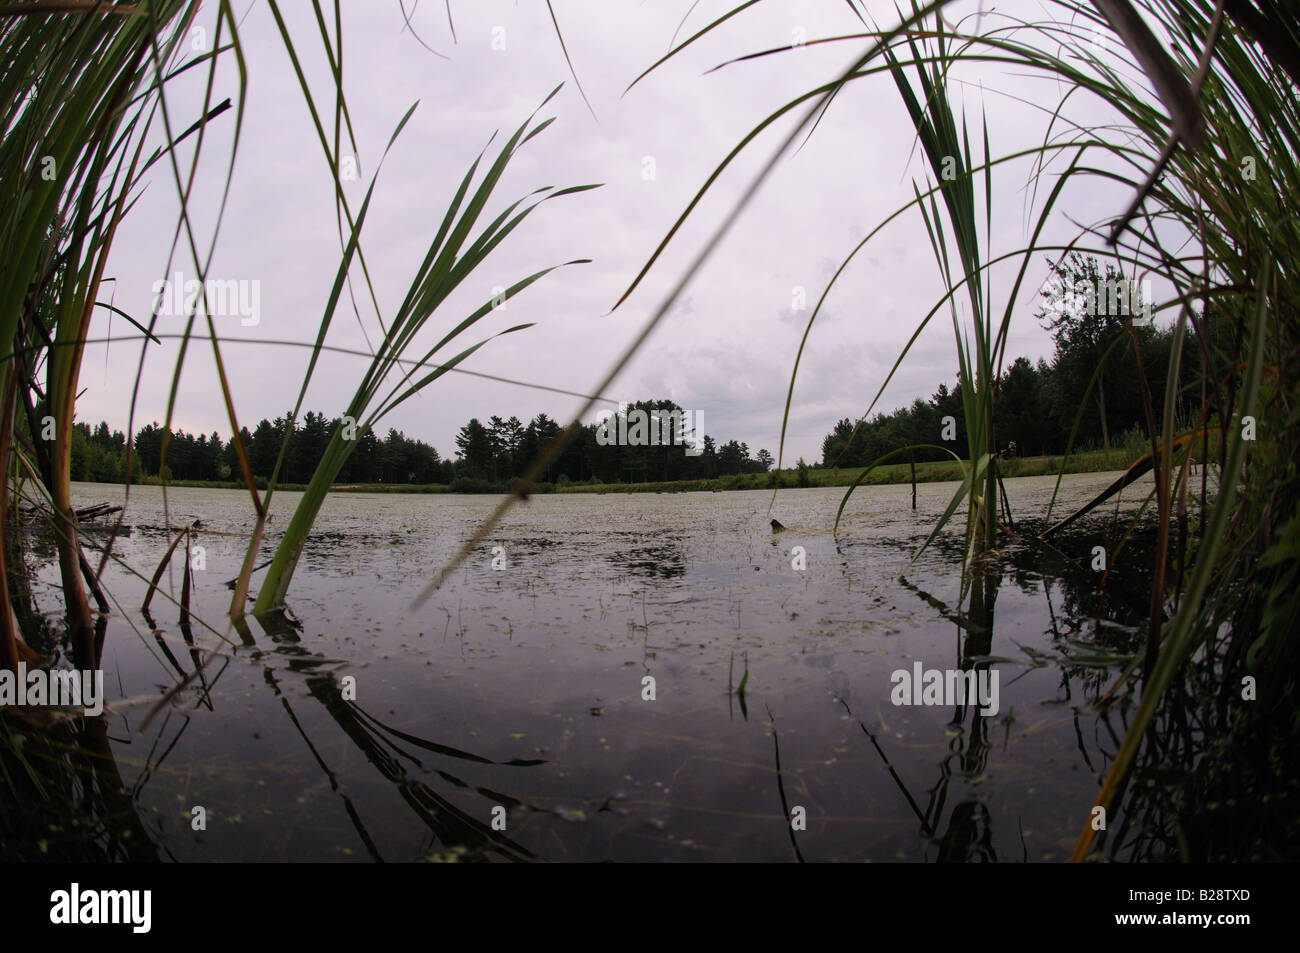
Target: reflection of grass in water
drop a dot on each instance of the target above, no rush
(695, 816)
(64, 799)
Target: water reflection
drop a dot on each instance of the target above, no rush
(64, 797)
(387, 750)
(65, 779)
(658, 558)
(530, 681)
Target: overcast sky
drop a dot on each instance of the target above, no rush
(726, 349)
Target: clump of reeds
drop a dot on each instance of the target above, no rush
(1206, 136)
(79, 92)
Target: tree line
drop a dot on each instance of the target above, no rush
(501, 450)
(99, 455)
(1095, 377)
(487, 455)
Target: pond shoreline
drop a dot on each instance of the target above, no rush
(1095, 461)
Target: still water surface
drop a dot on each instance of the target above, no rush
(523, 688)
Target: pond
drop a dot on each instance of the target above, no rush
(570, 693)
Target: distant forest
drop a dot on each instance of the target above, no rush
(486, 454)
(1037, 404)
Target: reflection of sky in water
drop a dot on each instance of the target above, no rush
(542, 665)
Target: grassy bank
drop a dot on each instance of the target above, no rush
(1096, 461)
(1093, 462)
